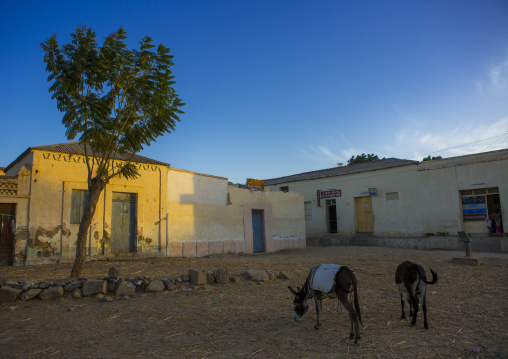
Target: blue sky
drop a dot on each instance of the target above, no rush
(275, 88)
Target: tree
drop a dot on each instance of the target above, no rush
(362, 158)
(428, 158)
(116, 100)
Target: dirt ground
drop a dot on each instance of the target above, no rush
(467, 311)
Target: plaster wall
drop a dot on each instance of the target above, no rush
(207, 216)
(428, 203)
(52, 237)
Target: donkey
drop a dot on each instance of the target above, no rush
(329, 281)
(412, 281)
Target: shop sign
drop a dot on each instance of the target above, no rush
(255, 184)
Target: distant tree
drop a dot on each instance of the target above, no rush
(116, 100)
(428, 158)
(362, 158)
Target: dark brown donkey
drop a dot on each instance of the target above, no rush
(329, 281)
(412, 281)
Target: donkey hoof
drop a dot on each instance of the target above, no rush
(426, 326)
(317, 326)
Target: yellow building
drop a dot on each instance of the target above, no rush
(164, 212)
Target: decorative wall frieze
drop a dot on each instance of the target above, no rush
(81, 159)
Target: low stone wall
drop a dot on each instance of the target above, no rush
(112, 286)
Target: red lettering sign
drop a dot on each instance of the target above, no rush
(331, 194)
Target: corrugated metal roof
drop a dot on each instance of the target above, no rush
(344, 170)
(77, 149)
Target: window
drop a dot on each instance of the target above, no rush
(479, 204)
(330, 202)
(284, 189)
(392, 196)
(79, 198)
(308, 211)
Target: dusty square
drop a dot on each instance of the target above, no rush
(467, 311)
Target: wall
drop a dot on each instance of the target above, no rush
(52, 237)
(207, 216)
(178, 213)
(20, 196)
(429, 199)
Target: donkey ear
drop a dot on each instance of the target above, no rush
(292, 290)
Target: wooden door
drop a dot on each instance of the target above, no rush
(257, 230)
(364, 214)
(123, 223)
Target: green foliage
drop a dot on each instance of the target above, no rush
(428, 158)
(362, 158)
(116, 100)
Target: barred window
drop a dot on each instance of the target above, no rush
(284, 189)
(308, 211)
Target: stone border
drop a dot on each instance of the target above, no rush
(124, 288)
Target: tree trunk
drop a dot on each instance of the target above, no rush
(95, 188)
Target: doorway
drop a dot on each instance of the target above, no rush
(331, 215)
(257, 230)
(123, 223)
(7, 230)
(364, 214)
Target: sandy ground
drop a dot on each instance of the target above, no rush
(467, 311)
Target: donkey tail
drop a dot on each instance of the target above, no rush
(357, 305)
(434, 277)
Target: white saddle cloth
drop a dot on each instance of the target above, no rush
(323, 277)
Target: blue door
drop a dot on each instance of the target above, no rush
(257, 230)
(123, 223)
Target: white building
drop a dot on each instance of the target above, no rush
(404, 203)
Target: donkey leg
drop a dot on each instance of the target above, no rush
(353, 316)
(319, 308)
(424, 305)
(403, 316)
(411, 288)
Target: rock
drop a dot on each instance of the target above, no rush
(93, 287)
(44, 285)
(221, 275)
(177, 279)
(107, 299)
(77, 293)
(114, 273)
(99, 296)
(197, 277)
(62, 283)
(271, 275)
(283, 275)
(155, 286)
(210, 278)
(12, 308)
(29, 294)
(124, 287)
(26, 285)
(9, 294)
(138, 282)
(185, 277)
(51, 293)
(257, 275)
(72, 286)
(235, 280)
(169, 285)
(3, 281)
(111, 286)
